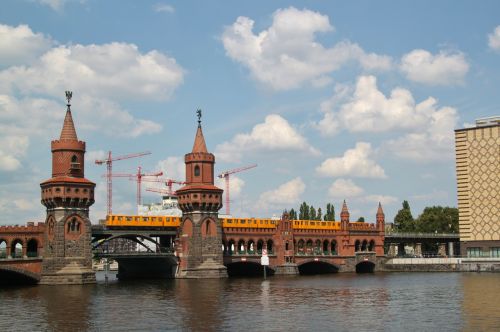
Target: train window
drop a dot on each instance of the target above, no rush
(145, 218)
(243, 221)
(128, 218)
(273, 222)
(229, 221)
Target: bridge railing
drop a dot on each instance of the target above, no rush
(421, 235)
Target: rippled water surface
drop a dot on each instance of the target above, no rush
(340, 302)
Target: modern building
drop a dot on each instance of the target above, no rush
(478, 187)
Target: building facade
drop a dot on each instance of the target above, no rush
(478, 187)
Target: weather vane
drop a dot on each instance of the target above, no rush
(198, 114)
(69, 95)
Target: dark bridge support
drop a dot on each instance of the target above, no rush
(247, 269)
(146, 267)
(317, 267)
(365, 267)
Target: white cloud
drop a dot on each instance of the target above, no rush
(355, 162)
(275, 134)
(163, 8)
(282, 197)
(235, 186)
(435, 142)
(494, 39)
(367, 109)
(441, 69)
(115, 70)
(173, 168)
(287, 55)
(92, 156)
(57, 5)
(342, 188)
(435, 195)
(20, 45)
(12, 149)
(383, 199)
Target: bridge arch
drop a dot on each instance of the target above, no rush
(241, 246)
(12, 275)
(250, 247)
(270, 246)
(32, 248)
(132, 237)
(16, 248)
(3, 248)
(365, 267)
(316, 266)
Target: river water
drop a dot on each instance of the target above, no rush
(336, 302)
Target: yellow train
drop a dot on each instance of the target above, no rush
(118, 220)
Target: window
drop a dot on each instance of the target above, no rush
(197, 170)
(474, 252)
(495, 252)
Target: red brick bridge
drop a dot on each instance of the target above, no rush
(21, 252)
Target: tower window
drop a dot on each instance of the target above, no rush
(197, 170)
(74, 163)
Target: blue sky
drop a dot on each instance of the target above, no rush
(333, 100)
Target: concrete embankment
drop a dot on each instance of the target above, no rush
(454, 264)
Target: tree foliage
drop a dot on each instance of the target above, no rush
(361, 219)
(433, 219)
(438, 219)
(403, 221)
(330, 212)
(292, 214)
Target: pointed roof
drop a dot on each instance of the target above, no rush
(68, 131)
(379, 210)
(199, 142)
(344, 208)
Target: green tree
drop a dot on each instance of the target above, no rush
(292, 214)
(330, 212)
(318, 215)
(403, 221)
(312, 213)
(304, 211)
(361, 219)
(438, 219)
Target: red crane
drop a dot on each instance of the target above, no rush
(137, 177)
(225, 175)
(161, 191)
(109, 164)
(168, 182)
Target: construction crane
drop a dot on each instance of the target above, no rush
(109, 165)
(168, 182)
(137, 177)
(225, 175)
(160, 191)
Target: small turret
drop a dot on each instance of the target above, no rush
(380, 217)
(344, 216)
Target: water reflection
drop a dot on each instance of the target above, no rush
(340, 302)
(481, 301)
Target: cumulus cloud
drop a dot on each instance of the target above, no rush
(383, 199)
(434, 143)
(275, 134)
(20, 45)
(114, 70)
(287, 54)
(11, 149)
(57, 5)
(494, 39)
(344, 188)
(235, 186)
(367, 109)
(441, 69)
(173, 168)
(284, 196)
(355, 162)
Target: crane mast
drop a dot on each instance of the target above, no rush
(226, 175)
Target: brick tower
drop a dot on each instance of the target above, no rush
(200, 234)
(380, 218)
(67, 197)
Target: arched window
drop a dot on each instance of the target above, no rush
(197, 170)
(32, 250)
(74, 159)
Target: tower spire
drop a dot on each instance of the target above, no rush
(199, 141)
(68, 131)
